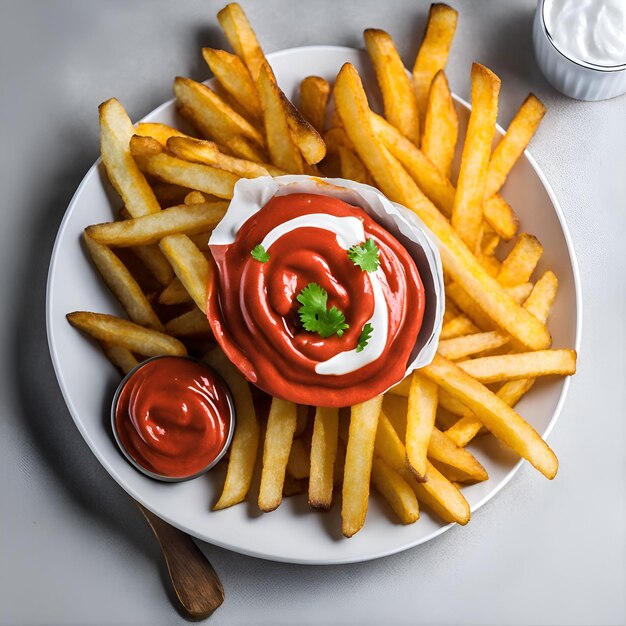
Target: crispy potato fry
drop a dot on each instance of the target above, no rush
(155, 263)
(464, 430)
(124, 287)
(192, 323)
(500, 216)
(358, 468)
(489, 240)
(433, 53)
(442, 449)
(306, 137)
(190, 266)
(399, 99)
(458, 327)
(335, 138)
(520, 263)
(174, 293)
(299, 463)
(160, 132)
(125, 334)
(245, 444)
(460, 347)
(150, 157)
(395, 408)
(511, 146)
(235, 79)
(445, 419)
(122, 358)
(467, 213)
(352, 167)
(281, 424)
(314, 94)
(441, 125)
(541, 298)
(422, 408)
(189, 219)
(497, 416)
(116, 131)
(323, 456)
(495, 369)
(195, 197)
(396, 491)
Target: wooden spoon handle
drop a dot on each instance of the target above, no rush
(195, 582)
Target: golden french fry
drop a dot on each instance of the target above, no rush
(174, 293)
(489, 241)
(135, 338)
(155, 263)
(511, 146)
(358, 468)
(122, 358)
(116, 131)
(399, 99)
(460, 347)
(433, 53)
(281, 424)
(195, 197)
(245, 444)
(188, 219)
(160, 132)
(314, 94)
(422, 408)
(497, 416)
(495, 369)
(521, 261)
(283, 151)
(396, 491)
(299, 463)
(500, 216)
(235, 79)
(467, 213)
(190, 266)
(441, 125)
(458, 327)
(443, 450)
(308, 140)
(336, 138)
(191, 323)
(352, 167)
(124, 287)
(541, 298)
(150, 157)
(395, 408)
(323, 456)
(464, 430)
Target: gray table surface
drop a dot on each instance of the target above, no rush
(74, 550)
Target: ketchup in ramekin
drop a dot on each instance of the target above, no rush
(173, 417)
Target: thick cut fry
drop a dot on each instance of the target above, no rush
(283, 151)
(323, 456)
(395, 408)
(422, 409)
(190, 266)
(174, 293)
(122, 358)
(396, 491)
(442, 449)
(495, 369)
(467, 213)
(188, 219)
(192, 323)
(352, 167)
(116, 130)
(243, 450)
(207, 153)
(314, 94)
(124, 287)
(511, 146)
(497, 416)
(541, 299)
(195, 197)
(125, 334)
(155, 263)
(235, 79)
(307, 139)
(521, 261)
(458, 327)
(281, 424)
(441, 125)
(464, 430)
(500, 216)
(336, 138)
(460, 347)
(299, 463)
(433, 53)
(399, 99)
(357, 472)
(160, 132)
(150, 157)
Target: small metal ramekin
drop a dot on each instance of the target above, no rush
(134, 462)
(574, 77)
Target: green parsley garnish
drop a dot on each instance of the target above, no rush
(365, 255)
(315, 317)
(259, 254)
(364, 337)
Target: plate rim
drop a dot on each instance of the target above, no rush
(253, 553)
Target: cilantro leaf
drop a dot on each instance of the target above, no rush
(259, 254)
(365, 255)
(314, 315)
(364, 337)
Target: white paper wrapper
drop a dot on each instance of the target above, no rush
(252, 194)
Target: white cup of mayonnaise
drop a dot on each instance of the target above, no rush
(580, 46)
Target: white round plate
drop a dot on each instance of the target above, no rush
(292, 533)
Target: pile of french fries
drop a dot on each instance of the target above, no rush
(411, 444)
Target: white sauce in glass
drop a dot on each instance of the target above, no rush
(593, 31)
(349, 232)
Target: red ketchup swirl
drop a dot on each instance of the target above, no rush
(253, 308)
(173, 416)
